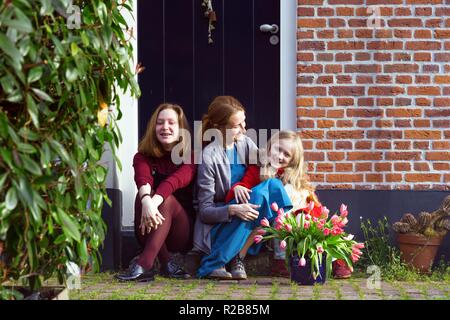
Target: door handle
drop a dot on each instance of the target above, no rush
(272, 28)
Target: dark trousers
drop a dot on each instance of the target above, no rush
(174, 235)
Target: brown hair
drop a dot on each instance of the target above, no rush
(295, 172)
(220, 110)
(150, 146)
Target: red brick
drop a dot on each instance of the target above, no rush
(364, 123)
(352, 156)
(418, 177)
(305, 102)
(384, 79)
(402, 33)
(441, 145)
(402, 145)
(403, 79)
(441, 166)
(336, 156)
(309, 34)
(403, 23)
(307, 145)
(364, 113)
(311, 113)
(311, 23)
(338, 178)
(365, 102)
(385, 45)
(386, 91)
(423, 79)
(399, 102)
(363, 166)
(312, 134)
(423, 102)
(346, 91)
(421, 166)
(311, 45)
(345, 45)
(402, 56)
(314, 156)
(385, 101)
(433, 23)
(393, 177)
(422, 134)
(345, 33)
(364, 79)
(310, 68)
(305, 124)
(317, 177)
(363, 145)
(344, 167)
(442, 124)
(422, 56)
(402, 155)
(325, 34)
(345, 134)
(344, 123)
(373, 177)
(381, 56)
(401, 68)
(325, 123)
(362, 56)
(305, 11)
(364, 33)
(424, 11)
(423, 34)
(442, 57)
(324, 167)
(333, 68)
(328, 12)
(305, 79)
(404, 113)
(422, 123)
(325, 80)
(336, 23)
(325, 57)
(305, 56)
(421, 145)
(438, 156)
(383, 144)
(402, 166)
(324, 145)
(437, 113)
(343, 145)
(384, 123)
(358, 23)
(442, 79)
(335, 113)
(325, 102)
(402, 123)
(423, 45)
(384, 134)
(311, 91)
(383, 166)
(344, 79)
(435, 91)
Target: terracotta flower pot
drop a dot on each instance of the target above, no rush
(417, 250)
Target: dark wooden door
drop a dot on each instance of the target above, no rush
(181, 67)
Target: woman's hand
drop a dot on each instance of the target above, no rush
(151, 217)
(245, 211)
(241, 194)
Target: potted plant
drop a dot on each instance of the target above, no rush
(62, 64)
(419, 238)
(311, 240)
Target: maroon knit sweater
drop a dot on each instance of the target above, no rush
(164, 176)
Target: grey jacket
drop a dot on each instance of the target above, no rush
(213, 183)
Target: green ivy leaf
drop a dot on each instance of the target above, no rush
(70, 226)
(42, 95)
(35, 74)
(9, 48)
(11, 198)
(26, 148)
(30, 165)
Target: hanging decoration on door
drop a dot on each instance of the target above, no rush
(211, 15)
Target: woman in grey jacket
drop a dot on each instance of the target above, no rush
(225, 161)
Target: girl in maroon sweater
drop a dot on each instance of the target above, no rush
(163, 208)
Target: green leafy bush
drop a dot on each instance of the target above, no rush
(56, 83)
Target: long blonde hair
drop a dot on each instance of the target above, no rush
(295, 173)
(150, 146)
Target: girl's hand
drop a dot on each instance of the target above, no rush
(241, 194)
(245, 211)
(151, 217)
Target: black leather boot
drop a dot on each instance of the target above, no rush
(136, 273)
(173, 270)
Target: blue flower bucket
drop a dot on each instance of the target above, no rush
(303, 275)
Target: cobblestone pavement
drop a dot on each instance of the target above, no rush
(103, 286)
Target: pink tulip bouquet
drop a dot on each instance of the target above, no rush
(311, 234)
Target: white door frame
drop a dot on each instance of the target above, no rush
(124, 180)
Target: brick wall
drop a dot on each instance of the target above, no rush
(373, 104)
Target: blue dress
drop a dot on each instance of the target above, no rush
(228, 238)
